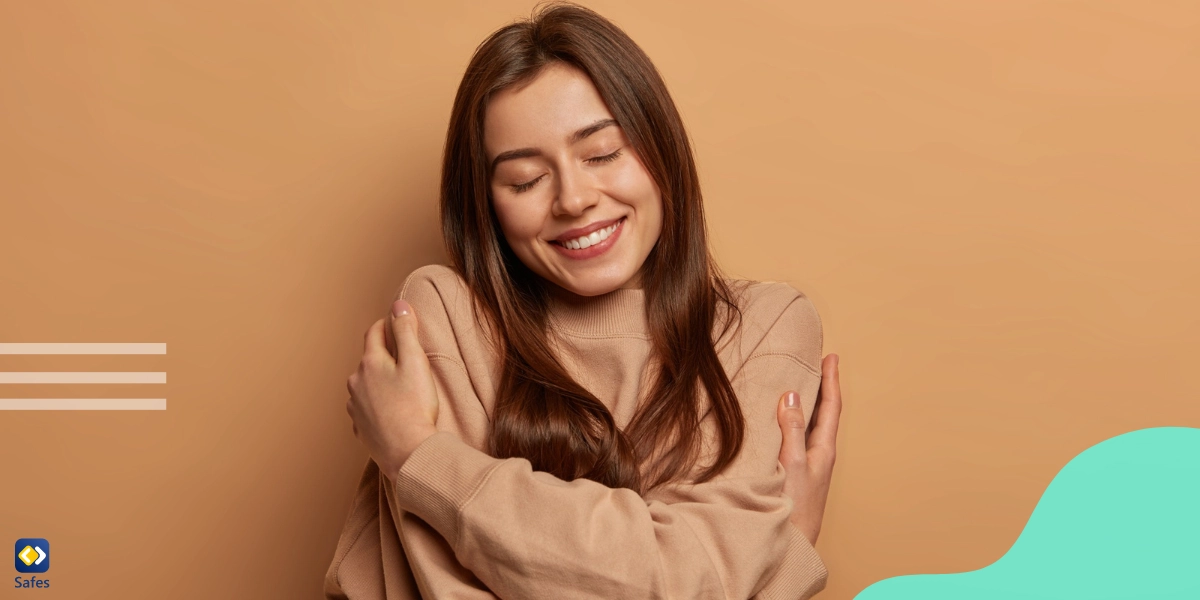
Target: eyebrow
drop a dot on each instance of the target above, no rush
(575, 137)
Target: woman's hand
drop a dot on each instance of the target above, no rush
(808, 456)
(393, 402)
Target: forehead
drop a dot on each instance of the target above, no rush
(558, 101)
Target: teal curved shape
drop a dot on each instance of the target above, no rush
(1120, 521)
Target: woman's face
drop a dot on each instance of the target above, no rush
(573, 198)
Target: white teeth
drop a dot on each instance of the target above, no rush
(592, 239)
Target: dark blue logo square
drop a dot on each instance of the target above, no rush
(32, 555)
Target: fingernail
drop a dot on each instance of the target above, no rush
(837, 360)
(791, 400)
(400, 307)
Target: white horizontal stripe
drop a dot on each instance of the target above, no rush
(83, 404)
(82, 377)
(83, 348)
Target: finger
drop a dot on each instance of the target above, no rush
(376, 346)
(404, 328)
(824, 436)
(791, 423)
(812, 421)
(390, 338)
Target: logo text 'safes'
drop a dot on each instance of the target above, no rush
(31, 555)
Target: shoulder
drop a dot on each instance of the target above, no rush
(436, 289)
(438, 279)
(442, 302)
(777, 319)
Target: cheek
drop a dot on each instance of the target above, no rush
(654, 223)
(518, 223)
(651, 209)
(636, 185)
(638, 190)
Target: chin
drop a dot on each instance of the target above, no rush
(596, 287)
(589, 290)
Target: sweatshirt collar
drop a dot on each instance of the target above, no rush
(621, 311)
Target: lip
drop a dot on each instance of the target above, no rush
(571, 234)
(596, 250)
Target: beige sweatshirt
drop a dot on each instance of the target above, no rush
(458, 523)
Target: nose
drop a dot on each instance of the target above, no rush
(575, 193)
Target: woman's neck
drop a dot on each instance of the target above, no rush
(621, 311)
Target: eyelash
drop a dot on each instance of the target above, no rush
(599, 159)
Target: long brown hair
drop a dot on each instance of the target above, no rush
(541, 413)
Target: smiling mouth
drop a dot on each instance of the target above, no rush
(595, 238)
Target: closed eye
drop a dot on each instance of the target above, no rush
(599, 159)
(607, 157)
(525, 186)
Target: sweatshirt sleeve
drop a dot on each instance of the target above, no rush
(368, 562)
(383, 554)
(529, 534)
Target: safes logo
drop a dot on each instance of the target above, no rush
(33, 555)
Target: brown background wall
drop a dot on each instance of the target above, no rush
(993, 205)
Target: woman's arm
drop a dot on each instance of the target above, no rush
(381, 557)
(726, 538)
(367, 565)
(808, 459)
(808, 456)
(384, 552)
(369, 537)
(528, 534)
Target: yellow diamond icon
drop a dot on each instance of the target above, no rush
(27, 555)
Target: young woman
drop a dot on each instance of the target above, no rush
(580, 406)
